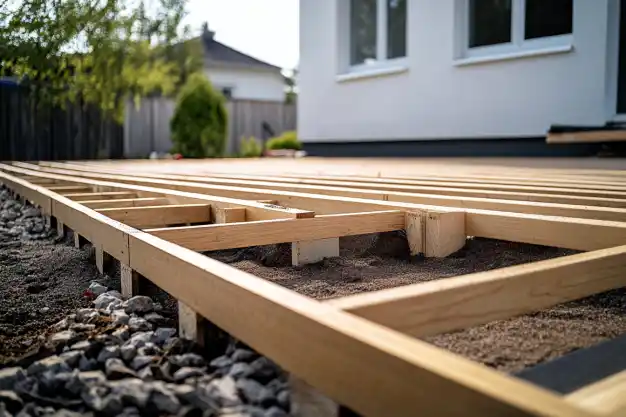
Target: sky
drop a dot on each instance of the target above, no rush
(264, 29)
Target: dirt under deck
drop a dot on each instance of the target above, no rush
(371, 262)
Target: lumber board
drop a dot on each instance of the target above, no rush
(125, 202)
(587, 136)
(343, 194)
(152, 216)
(456, 303)
(403, 376)
(101, 196)
(240, 235)
(606, 397)
(255, 211)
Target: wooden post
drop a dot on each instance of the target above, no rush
(193, 326)
(131, 281)
(435, 234)
(103, 259)
(79, 241)
(60, 229)
(308, 252)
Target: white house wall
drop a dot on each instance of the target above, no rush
(248, 84)
(435, 98)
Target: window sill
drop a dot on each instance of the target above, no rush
(514, 55)
(371, 73)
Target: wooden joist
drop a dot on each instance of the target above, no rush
(240, 235)
(125, 203)
(151, 216)
(606, 397)
(101, 196)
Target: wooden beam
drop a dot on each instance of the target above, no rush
(60, 189)
(230, 215)
(456, 303)
(403, 376)
(155, 216)
(606, 397)
(254, 210)
(101, 196)
(125, 203)
(435, 234)
(588, 136)
(241, 235)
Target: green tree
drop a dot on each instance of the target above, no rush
(200, 122)
(101, 51)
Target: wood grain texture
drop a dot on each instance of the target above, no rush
(240, 235)
(101, 196)
(606, 397)
(313, 251)
(125, 202)
(153, 216)
(456, 303)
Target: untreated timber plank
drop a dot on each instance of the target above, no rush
(152, 216)
(606, 397)
(402, 376)
(240, 235)
(125, 203)
(456, 303)
(101, 196)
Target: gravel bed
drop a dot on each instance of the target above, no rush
(70, 345)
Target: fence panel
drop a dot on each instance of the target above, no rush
(147, 128)
(29, 131)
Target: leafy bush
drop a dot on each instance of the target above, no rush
(200, 122)
(251, 147)
(288, 140)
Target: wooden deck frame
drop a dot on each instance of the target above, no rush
(404, 376)
(344, 195)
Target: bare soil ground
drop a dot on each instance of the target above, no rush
(369, 263)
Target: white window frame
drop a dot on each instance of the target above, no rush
(518, 44)
(381, 62)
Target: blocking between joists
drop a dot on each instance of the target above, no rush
(435, 234)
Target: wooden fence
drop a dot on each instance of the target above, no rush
(147, 128)
(42, 132)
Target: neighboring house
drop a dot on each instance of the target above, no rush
(457, 77)
(240, 76)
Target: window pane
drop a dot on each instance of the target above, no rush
(548, 18)
(489, 22)
(396, 28)
(362, 31)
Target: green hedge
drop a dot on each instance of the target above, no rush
(288, 140)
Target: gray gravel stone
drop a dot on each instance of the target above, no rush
(154, 317)
(133, 391)
(140, 361)
(113, 306)
(225, 391)
(163, 398)
(162, 334)
(284, 399)
(252, 390)
(196, 396)
(187, 372)
(71, 358)
(51, 363)
(119, 317)
(108, 353)
(240, 370)
(139, 339)
(138, 304)
(93, 397)
(115, 369)
(61, 325)
(221, 362)
(128, 352)
(116, 294)
(82, 327)
(103, 301)
(149, 349)
(138, 324)
(97, 288)
(188, 359)
(264, 370)
(12, 401)
(87, 364)
(243, 355)
(275, 412)
(87, 315)
(10, 376)
(122, 334)
(63, 337)
(146, 374)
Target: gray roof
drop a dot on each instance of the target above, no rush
(217, 52)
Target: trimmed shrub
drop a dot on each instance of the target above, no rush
(200, 122)
(288, 140)
(250, 147)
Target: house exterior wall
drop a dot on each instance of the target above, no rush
(249, 84)
(434, 98)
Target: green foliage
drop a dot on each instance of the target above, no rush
(288, 140)
(101, 51)
(200, 122)
(251, 147)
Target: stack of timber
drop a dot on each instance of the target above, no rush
(156, 217)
